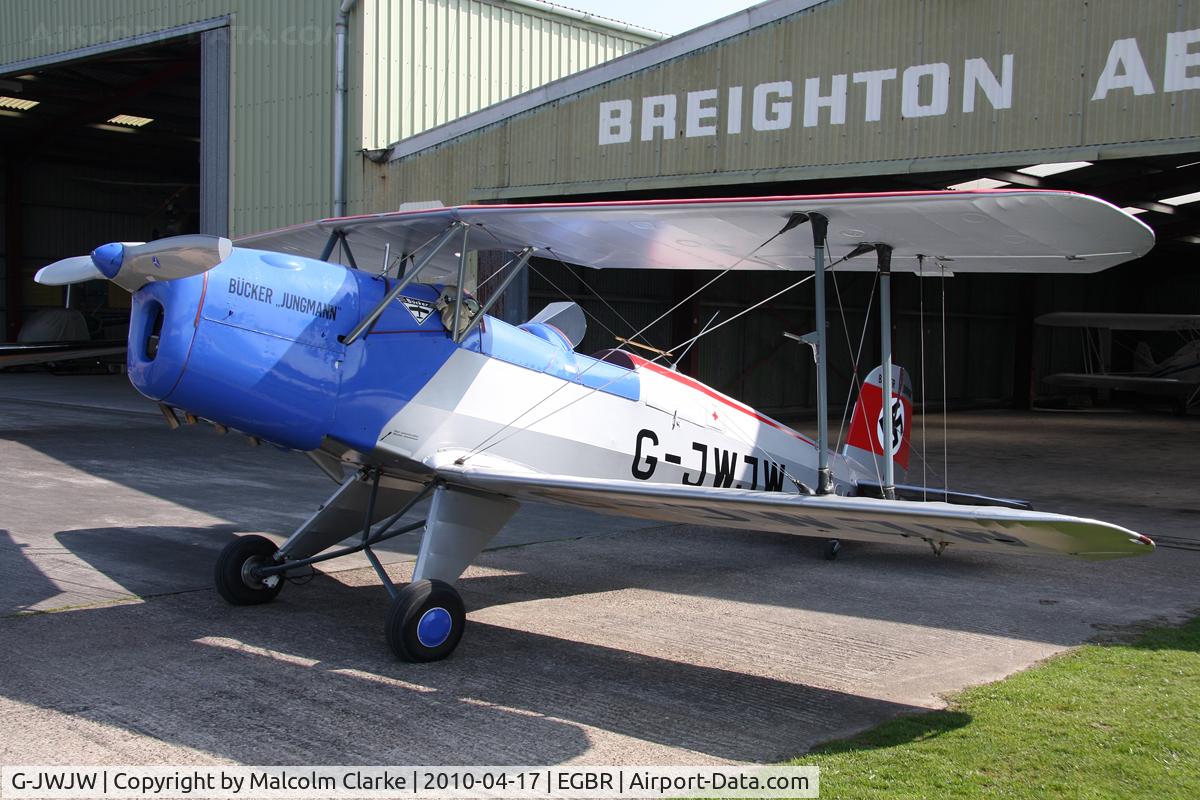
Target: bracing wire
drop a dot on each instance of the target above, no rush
(597, 295)
(400, 257)
(921, 315)
(479, 448)
(485, 445)
(945, 398)
(791, 223)
(479, 285)
(684, 352)
(587, 313)
(736, 432)
(855, 384)
(855, 356)
(488, 444)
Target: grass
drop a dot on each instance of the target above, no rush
(1117, 720)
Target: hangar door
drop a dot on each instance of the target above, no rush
(127, 144)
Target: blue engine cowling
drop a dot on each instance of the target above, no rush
(254, 344)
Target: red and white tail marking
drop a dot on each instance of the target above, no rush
(865, 442)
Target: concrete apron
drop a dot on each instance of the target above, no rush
(591, 639)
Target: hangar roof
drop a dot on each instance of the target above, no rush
(800, 96)
(637, 61)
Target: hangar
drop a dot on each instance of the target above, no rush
(786, 97)
(800, 97)
(124, 121)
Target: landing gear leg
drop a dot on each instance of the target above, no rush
(426, 618)
(251, 569)
(832, 548)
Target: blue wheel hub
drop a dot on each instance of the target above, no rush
(433, 629)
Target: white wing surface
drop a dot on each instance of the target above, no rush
(1006, 231)
(853, 518)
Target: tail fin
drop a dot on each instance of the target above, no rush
(864, 445)
(1143, 358)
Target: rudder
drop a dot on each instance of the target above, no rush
(864, 445)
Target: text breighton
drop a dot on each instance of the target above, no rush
(925, 90)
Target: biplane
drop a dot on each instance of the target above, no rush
(56, 336)
(1175, 376)
(400, 385)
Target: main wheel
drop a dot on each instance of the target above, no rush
(234, 574)
(832, 548)
(426, 621)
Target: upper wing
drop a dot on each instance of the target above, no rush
(1121, 321)
(856, 518)
(980, 231)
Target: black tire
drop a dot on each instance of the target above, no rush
(832, 548)
(426, 622)
(231, 573)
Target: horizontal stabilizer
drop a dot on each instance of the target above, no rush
(927, 493)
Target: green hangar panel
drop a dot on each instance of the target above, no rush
(508, 100)
(799, 96)
(795, 89)
(241, 102)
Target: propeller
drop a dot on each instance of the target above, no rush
(131, 265)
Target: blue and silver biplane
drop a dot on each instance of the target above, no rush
(400, 385)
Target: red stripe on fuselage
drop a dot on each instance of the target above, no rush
(700, 387)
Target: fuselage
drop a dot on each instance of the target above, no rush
(255, 344)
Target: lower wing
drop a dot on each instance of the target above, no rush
(854, 518)
(19, 355)
(1129, 383)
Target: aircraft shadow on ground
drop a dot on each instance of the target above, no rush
(23, 585)
(261, 489)
(918, 728)
(307, 679)
(255, 488)
(901, 584)
(152, 559)
(522, 694)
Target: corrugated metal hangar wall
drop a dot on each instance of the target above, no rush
(796, 96)
(241, 94)
(791, 96)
